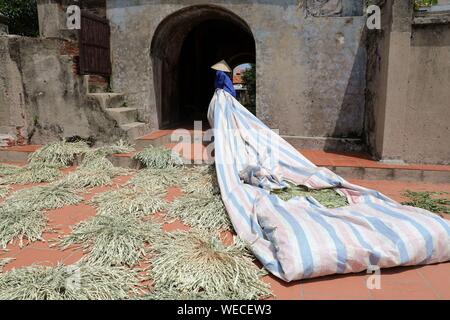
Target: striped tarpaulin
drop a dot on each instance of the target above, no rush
(300, 238)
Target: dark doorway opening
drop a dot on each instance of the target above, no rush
(185, 46)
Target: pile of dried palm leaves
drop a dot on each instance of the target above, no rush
(193, 265)
(327, 197)
(8, 169)
(196, 264)
(130, 200)
(21, 215)
(44, 164)
(52, 196)
(58, 154)
(74, 282)
(33, 172)
(113, 239)
(4, 191)
(200, 212)
(158, 158)
(157, 178)
(20, 222)
(95, 169)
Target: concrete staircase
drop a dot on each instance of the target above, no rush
(115, 107)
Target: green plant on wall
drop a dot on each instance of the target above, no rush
(424, 3)
(22, 15)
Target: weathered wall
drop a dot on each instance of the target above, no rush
(40, 92)
(407, 103)
(310, 70)
(427, 116)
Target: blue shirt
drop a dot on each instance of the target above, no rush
(224, 82)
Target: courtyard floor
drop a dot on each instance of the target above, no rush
(425, 282)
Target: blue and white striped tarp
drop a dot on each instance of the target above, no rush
(300, 238)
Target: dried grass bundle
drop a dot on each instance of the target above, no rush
(173, 294)
(156, 178)
(52, 196)
(8, 169)
(327, 197)
(113, 240)
(158, 158)
(4, 191)
(74, 282)
(33, 173)
(200, 212)
(58, 154)
(128, 200)
(94, 171)
(194, 263)
(120, 147)
(201, 179)
(19, 222)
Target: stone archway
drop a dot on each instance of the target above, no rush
(184, 46)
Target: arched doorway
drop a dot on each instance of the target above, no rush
(184, 47)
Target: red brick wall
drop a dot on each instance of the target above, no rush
(70, 48)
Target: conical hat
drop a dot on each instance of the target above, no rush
(222, 66)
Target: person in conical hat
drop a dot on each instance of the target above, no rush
(223, 81)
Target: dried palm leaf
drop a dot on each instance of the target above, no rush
(59, 154)
(194, 263)
(201, 179)
(200, 211)
(173, 294)
(74, 282)
(113, 240)
(19, 222)
(33, 173)
(52, 196)
(119, 147)
(93, 172)
(87, 179)
(158, 158)
(156, 178)
(4, 191)
(327, 197)
(8, 169)
(138, 201)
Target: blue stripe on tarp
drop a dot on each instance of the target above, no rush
(374, 255)
(382, 228)
(287, 152)
(220, 171)
(339, 245)
(439, 220)
(300, 236)
(423, 231)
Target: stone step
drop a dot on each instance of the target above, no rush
(163, 137)
(392, 174)
(134, 129)
(123, 115)
(17, 153)
(108, 100)
(348, 166)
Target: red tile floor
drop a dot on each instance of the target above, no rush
(425, 282)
